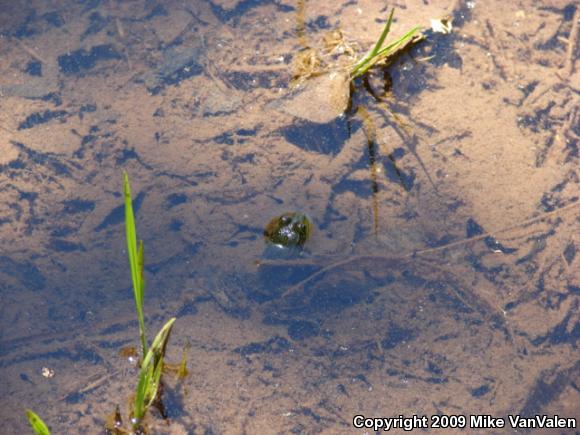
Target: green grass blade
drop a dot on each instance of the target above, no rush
(155, 379)
(139, 406)
(150, 372)
(130, 230)
(38, 426)
(372, 53)
(135, 261)
(387, 51)
(182, 371)
(386, 31)
(379, 52)
(157, 356)
(401, 41)
(161, 338)
(140, 295)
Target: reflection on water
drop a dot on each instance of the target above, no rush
(441, 275)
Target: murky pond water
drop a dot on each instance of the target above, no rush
(441, 275)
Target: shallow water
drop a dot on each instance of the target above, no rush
(441, 276)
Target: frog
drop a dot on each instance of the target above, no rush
(285, 238)
(290, 230)
(237, 292)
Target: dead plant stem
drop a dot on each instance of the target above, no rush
(414, 254)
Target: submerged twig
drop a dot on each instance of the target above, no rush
(411, 145)
(414, 254)
(370, 133)
(301, 23)
(30, 51)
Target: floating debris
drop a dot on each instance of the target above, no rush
(47, 372)
(442, 25)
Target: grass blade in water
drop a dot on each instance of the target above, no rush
(379, 53)
(38, 426)
(376, 48)
(150, 373)
(135, 261)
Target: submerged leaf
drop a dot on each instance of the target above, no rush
(182, 371)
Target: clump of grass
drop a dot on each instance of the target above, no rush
(150, 373)
(38, 426)
(153, 357)
(324, 79)
(384, 55)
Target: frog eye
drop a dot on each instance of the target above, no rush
(285, 220)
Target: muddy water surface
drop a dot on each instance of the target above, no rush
(442, 272)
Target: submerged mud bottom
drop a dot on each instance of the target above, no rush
(441, 275)
(361, 279)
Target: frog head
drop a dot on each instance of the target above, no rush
(289, 230)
